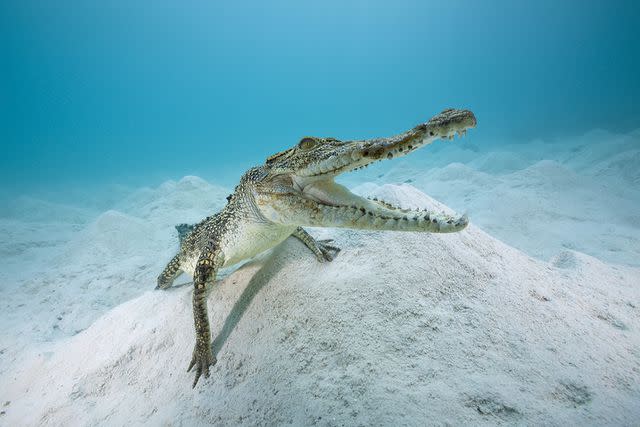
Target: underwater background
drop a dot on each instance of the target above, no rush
(135, 93)
(121, 119)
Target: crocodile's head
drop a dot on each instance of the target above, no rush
(298, 187)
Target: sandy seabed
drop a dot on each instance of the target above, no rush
(529, 316)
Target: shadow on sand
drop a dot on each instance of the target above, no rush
(271, 265)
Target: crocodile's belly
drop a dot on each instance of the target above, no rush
(251, 239)
(245, 241)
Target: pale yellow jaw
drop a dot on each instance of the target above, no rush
(333, 205)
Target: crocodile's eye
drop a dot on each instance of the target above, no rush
(307, 143)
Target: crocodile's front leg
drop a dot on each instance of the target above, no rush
(321, 248)
(170, 272)
(207, 266)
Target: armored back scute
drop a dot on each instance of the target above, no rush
(183, 231)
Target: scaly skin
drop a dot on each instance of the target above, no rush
(296, 188)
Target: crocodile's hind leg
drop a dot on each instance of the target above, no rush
(170, 272)
(321, 248)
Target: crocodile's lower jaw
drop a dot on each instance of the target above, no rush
(394, 219)
(324, 203)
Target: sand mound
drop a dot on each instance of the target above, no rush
(401, 329)
(174, 202)
(112, 235)
(498, 162)
(625, 165)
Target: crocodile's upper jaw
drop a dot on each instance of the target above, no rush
(350, 155)
(308, 194)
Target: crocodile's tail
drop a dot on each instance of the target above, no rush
(184, 230)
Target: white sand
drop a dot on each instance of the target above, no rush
(401, 329)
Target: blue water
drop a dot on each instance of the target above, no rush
(135, 92)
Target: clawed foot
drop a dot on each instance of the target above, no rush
(201, 360)
(163, 284)
(325, 250)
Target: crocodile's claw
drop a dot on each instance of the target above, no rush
(325, 250)
(201, 360)
(163, 284)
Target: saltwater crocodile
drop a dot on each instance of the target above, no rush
(296, 188)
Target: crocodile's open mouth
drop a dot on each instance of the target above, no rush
(319, 201)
